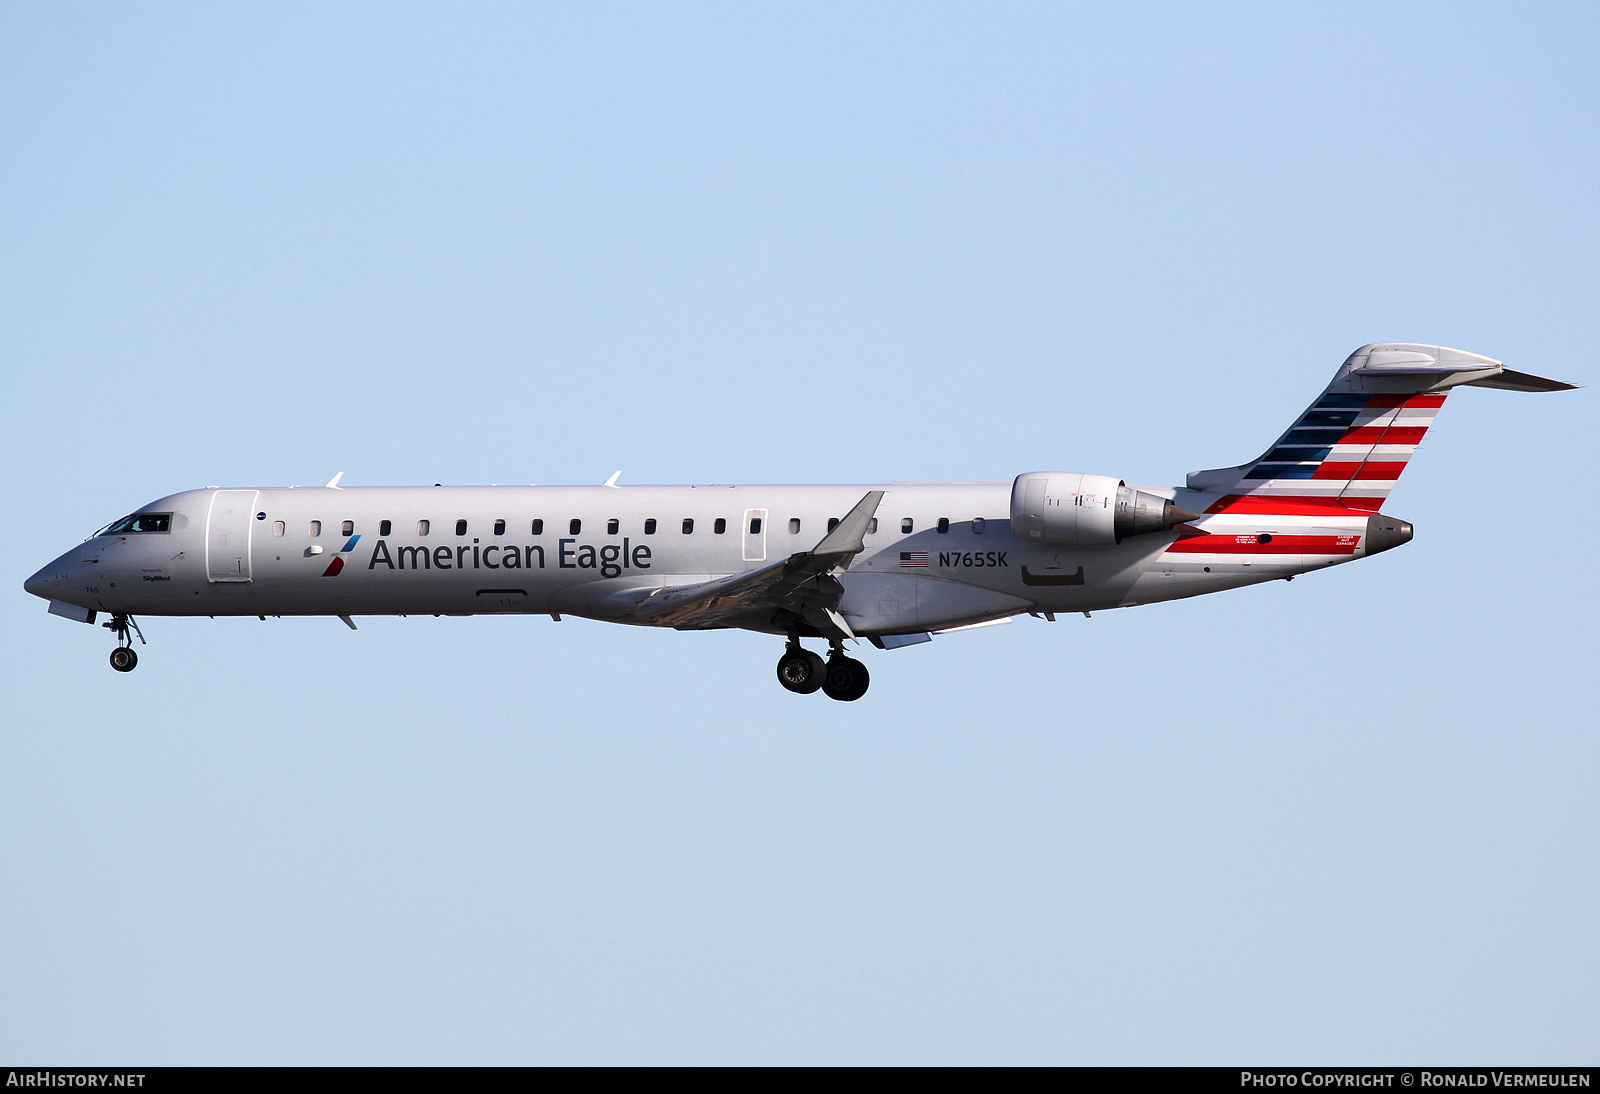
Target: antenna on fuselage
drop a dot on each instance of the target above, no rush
(612, 481)
(333, 483)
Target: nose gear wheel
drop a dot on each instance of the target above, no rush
(123, 659)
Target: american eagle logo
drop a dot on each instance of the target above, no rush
(338, 560)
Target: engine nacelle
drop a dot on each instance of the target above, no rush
(1071, 510)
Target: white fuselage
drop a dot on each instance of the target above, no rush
(270, 552)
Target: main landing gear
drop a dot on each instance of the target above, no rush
(123, 659)
(840, 677)
(800, 670)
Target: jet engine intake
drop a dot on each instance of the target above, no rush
(1066, 509)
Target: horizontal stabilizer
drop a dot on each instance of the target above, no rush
(1406, 367)
(1508, 380)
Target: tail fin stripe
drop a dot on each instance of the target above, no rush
(1387, 472)
(1301, 435)
(1395, 434)
(1351, 445)
(1358, 453)
(1418, 412)
(1297, 455)
(1434, 399)
(1421, 417)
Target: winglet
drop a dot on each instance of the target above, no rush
(612, 481)
(849, 535)
(333, 483)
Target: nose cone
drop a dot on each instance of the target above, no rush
(39, 584)
(1384, 532)
(52, 581)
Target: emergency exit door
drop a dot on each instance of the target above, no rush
(755, 535)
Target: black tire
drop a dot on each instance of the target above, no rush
(801, 671)
(847, 679)
(819, 669)
(123, 659)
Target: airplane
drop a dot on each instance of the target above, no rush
(896, 564)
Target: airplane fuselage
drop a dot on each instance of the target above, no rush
(595, 551)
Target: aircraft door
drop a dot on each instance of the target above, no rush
(755, 535)
(229, 526)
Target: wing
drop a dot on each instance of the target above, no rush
(803, 583)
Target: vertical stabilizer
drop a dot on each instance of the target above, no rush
(1350, 446)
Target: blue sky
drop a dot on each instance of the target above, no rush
(1348, 819)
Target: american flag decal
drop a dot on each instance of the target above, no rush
(913, 560)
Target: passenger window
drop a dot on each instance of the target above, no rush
(422, 527)
(314, 529)
(277, 527)
(499, 527)
(794, 526)
(906, 526)
(611, 526)
(688, 526)
(977, 526)
(833, 522)
(574, 527)
(461, 527)
(538, 526)
(719, 526)
(755, 526)
(348, 528)
(872, 526)
(944, 525)
(650, 527)
(384, 527)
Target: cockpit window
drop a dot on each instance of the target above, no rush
(140, 522)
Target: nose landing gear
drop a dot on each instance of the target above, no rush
(123, 659)
(840, 677)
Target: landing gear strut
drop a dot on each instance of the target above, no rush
(123, 659)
